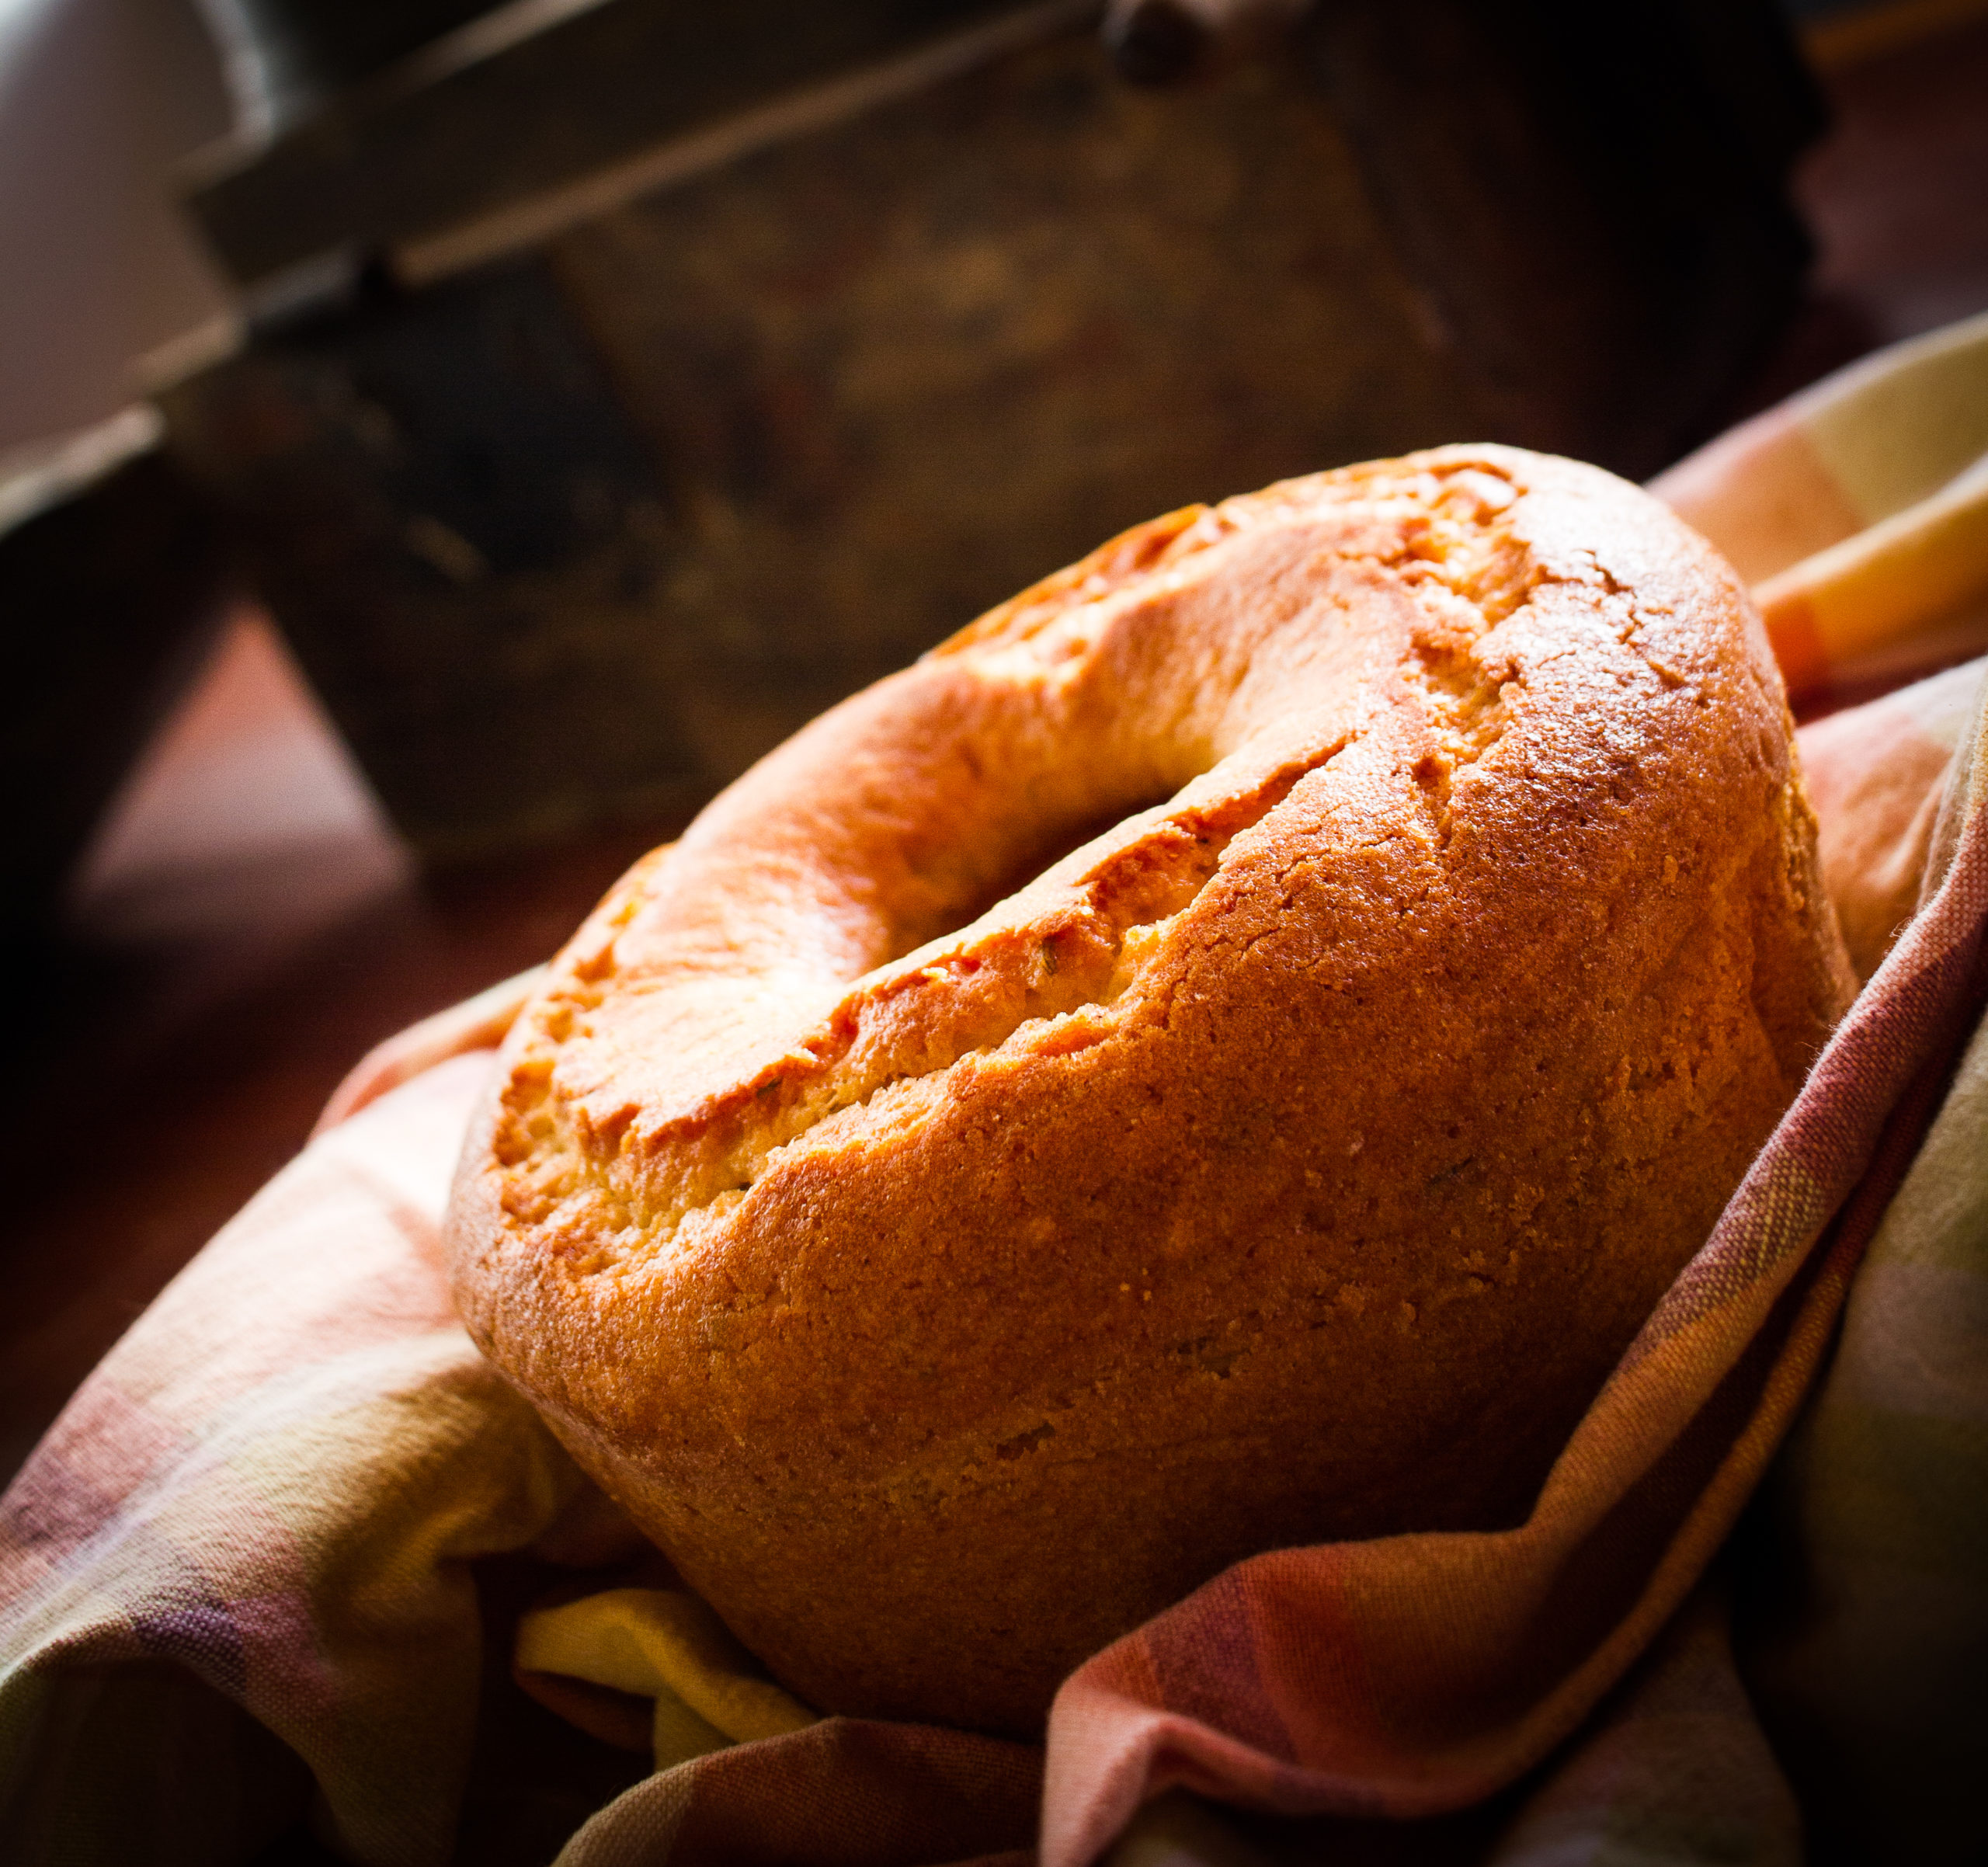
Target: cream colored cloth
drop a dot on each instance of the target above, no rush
(664, 1644)
(240, 1580)
(1858, 511)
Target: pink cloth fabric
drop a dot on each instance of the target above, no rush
(251, 1576)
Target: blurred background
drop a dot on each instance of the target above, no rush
(440, 446)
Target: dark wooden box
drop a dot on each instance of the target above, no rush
(621, 396)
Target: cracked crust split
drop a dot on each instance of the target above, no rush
(1224, 1051)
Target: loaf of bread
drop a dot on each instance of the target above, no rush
(951, 1250)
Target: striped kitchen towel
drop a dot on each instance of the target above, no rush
(251, 1578)
(1858, 511)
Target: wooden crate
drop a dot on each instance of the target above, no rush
(577, 490)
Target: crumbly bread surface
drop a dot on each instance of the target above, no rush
(950, 1268)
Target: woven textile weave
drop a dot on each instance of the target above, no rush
(250, 1577)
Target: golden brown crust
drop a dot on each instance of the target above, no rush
(946, 1302)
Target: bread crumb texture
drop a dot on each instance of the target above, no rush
(1223, 1053)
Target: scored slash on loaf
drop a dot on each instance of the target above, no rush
(951, 1251)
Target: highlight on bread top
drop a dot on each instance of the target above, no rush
(1223, 1053)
